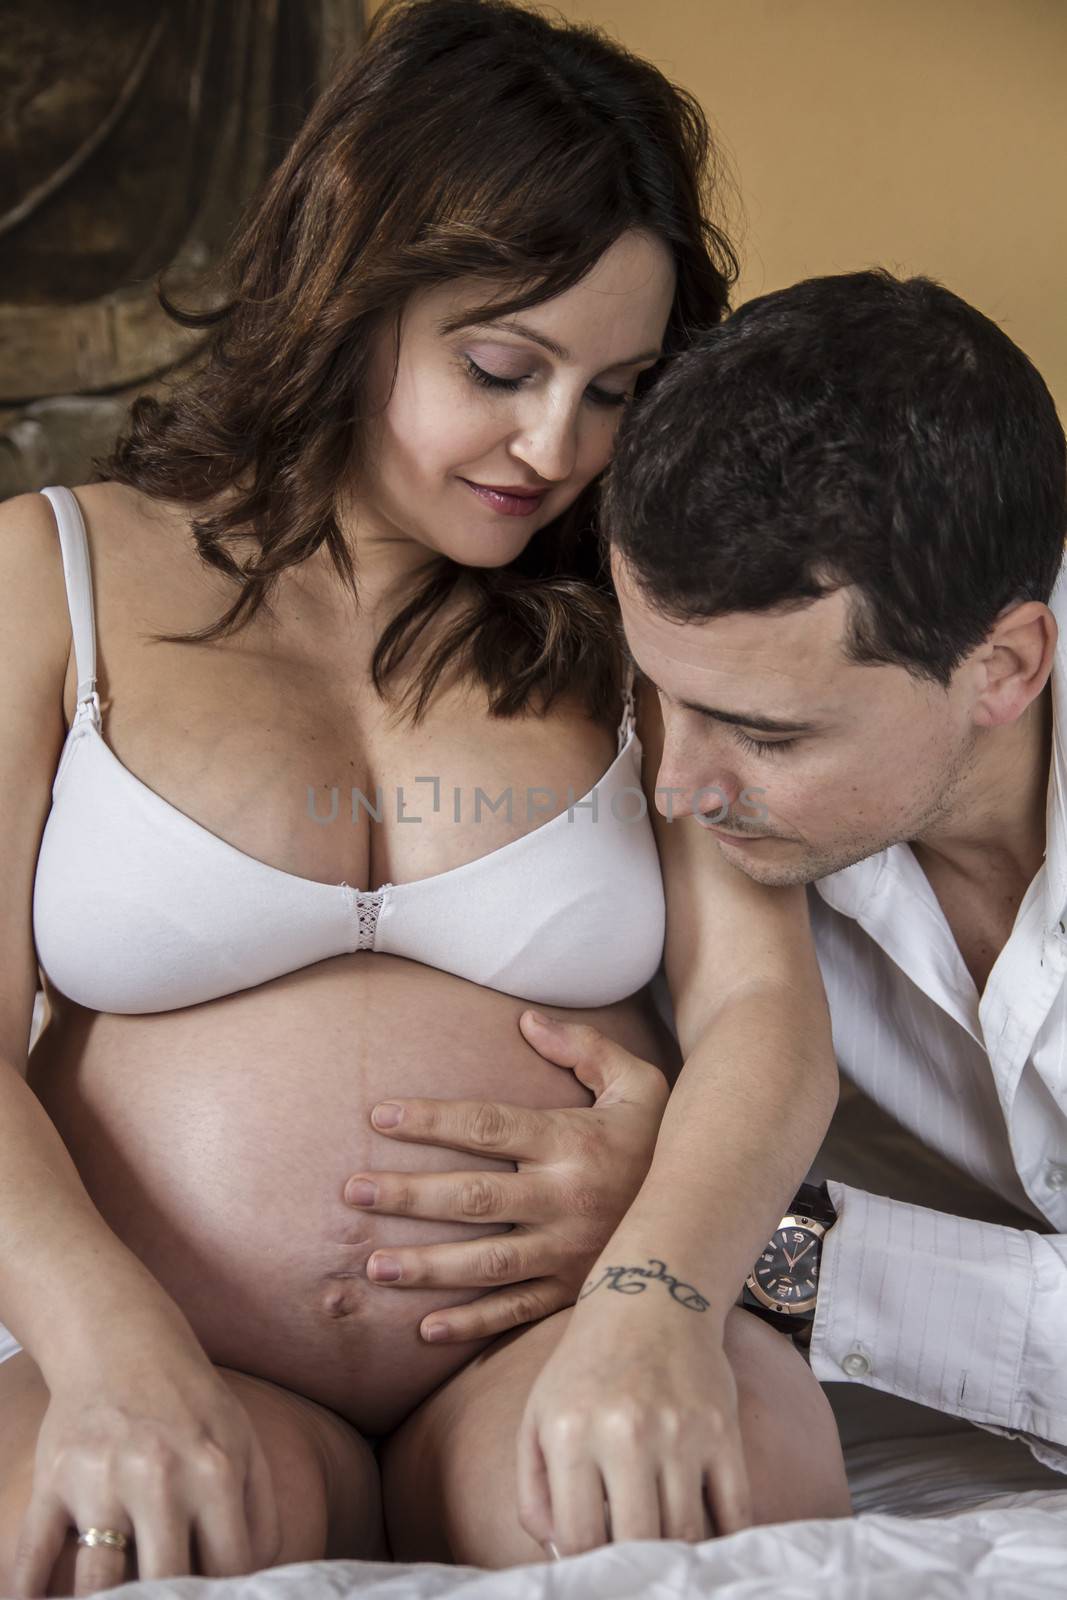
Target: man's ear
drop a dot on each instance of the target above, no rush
(1014, 663)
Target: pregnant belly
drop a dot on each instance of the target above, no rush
(216, 1142)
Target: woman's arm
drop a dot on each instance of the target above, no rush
(63, 1273)
(638, 1400)
(759, 1082)
(136, 1410)
(68, 1285)
(742, 1126)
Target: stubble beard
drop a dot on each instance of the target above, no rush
(929, 815)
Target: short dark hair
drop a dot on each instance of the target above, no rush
(857, 430)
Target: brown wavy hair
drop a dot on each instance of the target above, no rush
(467, 138)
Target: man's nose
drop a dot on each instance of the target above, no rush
(548, 442)
(685, 785)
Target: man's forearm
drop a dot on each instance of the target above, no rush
(741, 1129)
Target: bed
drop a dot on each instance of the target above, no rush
(1013, 1547)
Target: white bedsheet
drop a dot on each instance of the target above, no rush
(961, 1515)
(1012, 1550)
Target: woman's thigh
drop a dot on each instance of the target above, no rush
(449, 1481)
(325, 1475)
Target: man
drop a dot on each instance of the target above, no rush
(836, 529)
(837, 545)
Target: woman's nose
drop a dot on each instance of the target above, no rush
(548, 443)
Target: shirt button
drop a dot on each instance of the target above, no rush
(1057, 1175)
(856, 1364)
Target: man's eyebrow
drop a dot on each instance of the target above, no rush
(741, 720)
(524, 331)
(737, 719)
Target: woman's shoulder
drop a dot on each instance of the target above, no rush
(143, 551)
(147, 579)
(121, 519)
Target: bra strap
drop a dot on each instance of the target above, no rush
(626, 726)
(77, 575)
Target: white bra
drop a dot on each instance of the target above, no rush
(138, 908)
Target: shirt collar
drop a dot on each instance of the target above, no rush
(849, 890)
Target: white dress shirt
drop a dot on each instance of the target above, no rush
(969, 1317)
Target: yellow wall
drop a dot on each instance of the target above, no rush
(922, 135)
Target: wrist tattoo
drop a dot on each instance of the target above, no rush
(634, 1280)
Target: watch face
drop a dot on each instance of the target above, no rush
(786, 1275)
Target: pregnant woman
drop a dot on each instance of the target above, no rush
(318, 764)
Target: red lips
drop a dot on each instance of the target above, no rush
(509, 502)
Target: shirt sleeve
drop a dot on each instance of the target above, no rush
(964, 1316)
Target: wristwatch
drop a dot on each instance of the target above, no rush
(784, 1284)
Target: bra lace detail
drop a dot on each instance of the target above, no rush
(368, 909)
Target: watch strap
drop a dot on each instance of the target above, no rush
(813, 1200)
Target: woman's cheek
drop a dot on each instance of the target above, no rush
(470, 432)
(608, 429)
(596, 446)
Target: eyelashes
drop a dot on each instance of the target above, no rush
(762, 747)
(488, 380)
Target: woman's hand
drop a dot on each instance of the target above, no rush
(156, 1447)
(631, 1429)
(578, 1170)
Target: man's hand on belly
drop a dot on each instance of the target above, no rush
(578, 1170)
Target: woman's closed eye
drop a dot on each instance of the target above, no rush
(490, 380)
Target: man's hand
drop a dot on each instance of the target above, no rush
(578, 1171)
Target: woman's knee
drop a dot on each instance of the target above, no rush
(23, 1402)
(449, 1473)
(789, 1435)
(325, 1476)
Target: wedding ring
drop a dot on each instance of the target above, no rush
(108, 1536)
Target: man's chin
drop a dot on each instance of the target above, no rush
(765, 859)
(782, 863)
